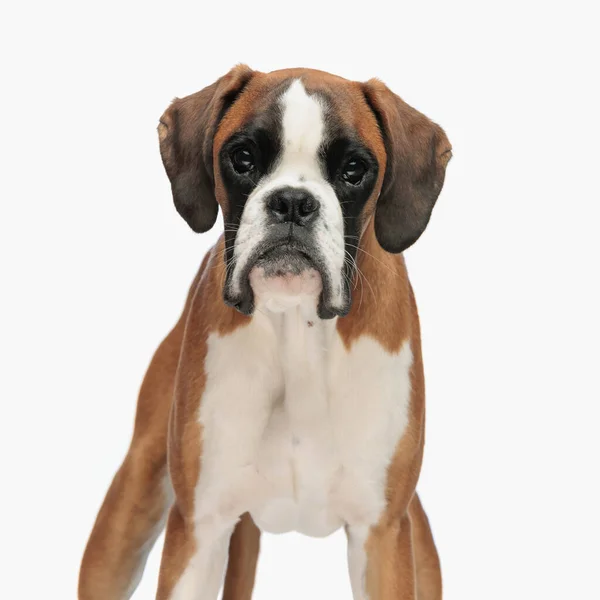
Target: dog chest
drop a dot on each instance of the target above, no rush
(298, 430)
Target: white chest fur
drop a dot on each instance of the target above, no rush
(297, 429)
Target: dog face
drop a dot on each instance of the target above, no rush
(302, 179)
(300, 161)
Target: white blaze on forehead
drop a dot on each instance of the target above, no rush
(302, 128)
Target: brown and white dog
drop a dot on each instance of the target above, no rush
(290, 394)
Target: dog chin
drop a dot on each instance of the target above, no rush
(280, 285)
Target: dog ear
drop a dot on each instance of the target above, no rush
(186, 131)
(417, 154)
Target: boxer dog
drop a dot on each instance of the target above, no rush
(290, 394)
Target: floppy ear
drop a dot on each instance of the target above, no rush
(417, 154)
(186, 131)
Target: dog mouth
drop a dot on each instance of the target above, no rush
(284, 260)
(284, 268)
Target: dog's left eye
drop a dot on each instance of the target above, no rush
(353, 171)
(242, 160)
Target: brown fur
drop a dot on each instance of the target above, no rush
(243, 556)
(402, 560)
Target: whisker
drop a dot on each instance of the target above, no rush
(360, 278)
(374, 258)
(363, 276)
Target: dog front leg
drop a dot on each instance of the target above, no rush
(381, 561)
(390, 573)
(194, 558)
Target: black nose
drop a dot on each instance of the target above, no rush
(293, 205)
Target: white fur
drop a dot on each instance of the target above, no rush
(278, 294)
(357, 560)
(203, 576)
(302, 133)
(297, 430)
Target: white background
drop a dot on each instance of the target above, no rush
(95, 266)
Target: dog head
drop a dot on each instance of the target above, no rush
(300, 161)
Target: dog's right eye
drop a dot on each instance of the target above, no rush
(242, 161)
